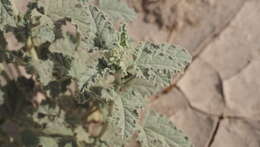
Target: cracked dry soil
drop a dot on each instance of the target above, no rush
(216, 102)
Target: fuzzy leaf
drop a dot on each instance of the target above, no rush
(79, 14)
(159, 63)
(44, 69)
(7, 13)
(124, 117)
(106, 36)
(83, 64)
(143, 86)
(160, 132)
(64, 46)
(93, 25)
(117, 9)
(43, 30)
(96, 88)
(84, 67)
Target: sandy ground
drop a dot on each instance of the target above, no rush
(217, 100)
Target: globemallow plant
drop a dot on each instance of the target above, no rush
(69, 78)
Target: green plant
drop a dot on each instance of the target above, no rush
(74, 80)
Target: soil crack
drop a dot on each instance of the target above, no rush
(214, 132)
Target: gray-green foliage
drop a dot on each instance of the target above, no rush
(117, 10)
(161, 134)
(7, 12)
(83, 83)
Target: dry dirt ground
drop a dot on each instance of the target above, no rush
(216, 102)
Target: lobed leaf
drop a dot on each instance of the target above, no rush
(157, 64)
(123, 121)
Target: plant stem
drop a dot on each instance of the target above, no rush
(31, 48)
(33, 54)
